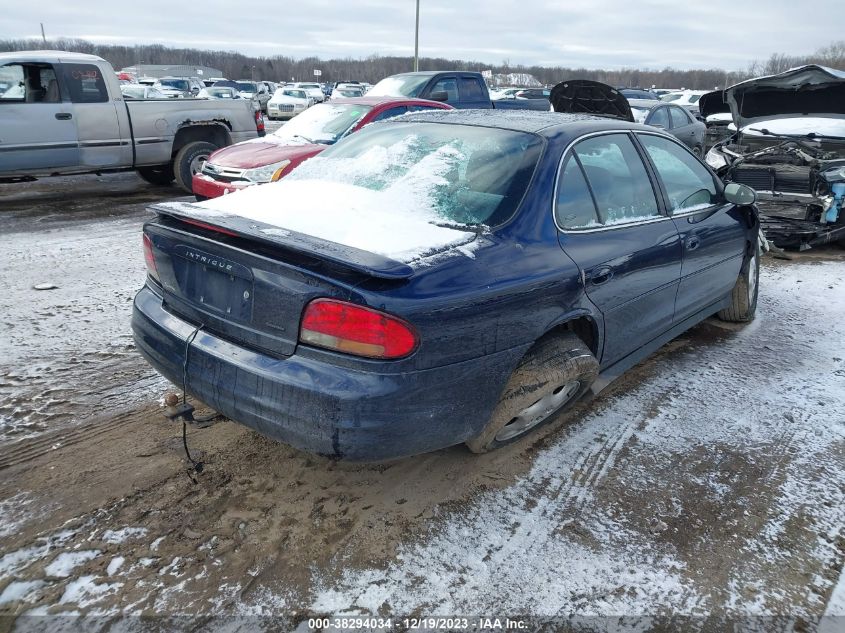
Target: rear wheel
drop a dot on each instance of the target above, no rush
(745, 291)
(554, 374)
(189, 161)
(157, 175)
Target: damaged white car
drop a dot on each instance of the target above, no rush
(788, 143)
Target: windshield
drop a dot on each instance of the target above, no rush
(245, 86)
(456, 174)
(178, 84)
(220, 93)
(298, 94)
(323, 123)
(399, 86)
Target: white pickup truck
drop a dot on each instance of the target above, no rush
(63, 113)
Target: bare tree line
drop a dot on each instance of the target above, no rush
(375, 67)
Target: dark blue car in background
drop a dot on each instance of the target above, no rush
(581, 244)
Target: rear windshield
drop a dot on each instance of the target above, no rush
(399, 86)
(323, 123)
(463, 174)
(220, 93)
(179, 84)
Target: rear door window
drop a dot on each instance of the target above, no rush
(688, 183)
(574, 207)
(659, 117)
(85, 83)
(679, 117)
(471, 90)
(618, 179)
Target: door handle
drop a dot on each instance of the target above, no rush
(601, 275)
(693, 242)
(64, 116)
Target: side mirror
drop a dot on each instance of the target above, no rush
(195, 90)
(440, 95)
(738, 194)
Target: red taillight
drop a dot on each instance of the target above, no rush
(353, 329)
(259, 121)
(149, 258)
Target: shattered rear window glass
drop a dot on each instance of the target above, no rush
(467, 175)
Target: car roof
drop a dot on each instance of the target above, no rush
(523, 120)
(51, 56)
(374, 101)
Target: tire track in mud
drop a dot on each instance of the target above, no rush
(31, 449)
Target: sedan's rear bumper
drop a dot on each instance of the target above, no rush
(322, 407)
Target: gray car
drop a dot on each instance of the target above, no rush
(675, 120)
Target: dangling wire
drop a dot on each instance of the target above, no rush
(197, 466)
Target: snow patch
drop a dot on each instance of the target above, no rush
(66, 562)
(25, 591)
(116, 537)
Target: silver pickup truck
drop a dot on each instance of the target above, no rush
(63, 113)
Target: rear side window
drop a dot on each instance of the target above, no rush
(85, 83)
(448, 85)
(618, 179)
(574, 207)
(679, 117)
(471, 89)
(659, 117)
(688, 183)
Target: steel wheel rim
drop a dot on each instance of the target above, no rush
(197, 164)
(538, 412)
(752, 277)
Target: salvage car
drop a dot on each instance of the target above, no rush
(789, 145)
(674, 119)
(255, 90)
(442, 277)
(306, 135)
(70, 117)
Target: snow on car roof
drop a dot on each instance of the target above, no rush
(516, 120)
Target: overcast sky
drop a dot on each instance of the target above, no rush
(594, 34)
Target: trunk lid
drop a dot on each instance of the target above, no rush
(249, 282)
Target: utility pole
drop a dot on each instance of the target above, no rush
(44, 37)
(417, 40)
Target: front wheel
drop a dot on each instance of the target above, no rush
(189, 161)
(698, 151)
(552, 376)
(745, 291)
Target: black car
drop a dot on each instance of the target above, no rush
(638, 93)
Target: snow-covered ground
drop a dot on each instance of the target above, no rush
(711, 480)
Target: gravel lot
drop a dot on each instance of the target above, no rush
(708, 480)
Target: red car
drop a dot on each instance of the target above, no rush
(269, 158)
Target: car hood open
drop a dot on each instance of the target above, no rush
(581, 96)
(810, 90)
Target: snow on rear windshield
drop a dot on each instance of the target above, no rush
(400, 190)
(461, 174)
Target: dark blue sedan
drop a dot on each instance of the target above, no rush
(443, 278)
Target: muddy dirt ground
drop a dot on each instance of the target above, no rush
(708, 480)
